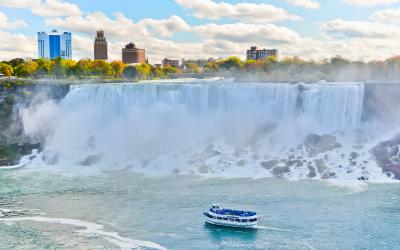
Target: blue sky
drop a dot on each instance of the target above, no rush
(312, 29)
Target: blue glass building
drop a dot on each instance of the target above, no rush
(55, 45)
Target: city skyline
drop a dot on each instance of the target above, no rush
(205, 28)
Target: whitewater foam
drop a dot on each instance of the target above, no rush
(90, 229)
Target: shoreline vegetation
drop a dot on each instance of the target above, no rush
(18, 71)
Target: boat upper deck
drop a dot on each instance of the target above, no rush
(224, 211)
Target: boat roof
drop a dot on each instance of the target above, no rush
(225, 211)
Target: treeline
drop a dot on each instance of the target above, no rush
(290, 69)
(84, 68)
(295, 69)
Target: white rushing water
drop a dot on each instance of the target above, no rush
(223, 129)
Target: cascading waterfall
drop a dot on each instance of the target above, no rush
(207, 128)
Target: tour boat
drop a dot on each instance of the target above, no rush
(220, 216)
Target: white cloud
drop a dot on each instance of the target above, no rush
(368, 3)
(208, 9)
(6, 24)
(351, 29)
(391, 16)
(165, 27)
(16, 45)
(307, 4)
(47, 8)
(267, 34)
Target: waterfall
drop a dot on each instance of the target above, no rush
(333, 106)
(160, 126)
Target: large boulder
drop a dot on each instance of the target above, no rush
(387, 155)
(317, 144)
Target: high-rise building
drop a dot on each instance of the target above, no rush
(55, 45)
(169, 62)
(255, 54)
(100, 46)
(132, 54)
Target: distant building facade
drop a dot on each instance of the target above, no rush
(100, 46)
(199, 62)
(255, 54)
(168, 62)
(55, 45)
(132, 54)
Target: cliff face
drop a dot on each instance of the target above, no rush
(13, 141)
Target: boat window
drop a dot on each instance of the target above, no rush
(219, 218)
(237, 220)
(225, 218)
(244, 220)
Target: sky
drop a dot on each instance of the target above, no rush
(199, 29)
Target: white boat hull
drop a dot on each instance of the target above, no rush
(230, 223)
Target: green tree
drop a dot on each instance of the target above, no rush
(6, 69)
(144, 71)
(232, 63)
(131, 72)
(26, 69)
(45, 66)
(157, 72)
(169, 70)
(117, 68)
(83, 68)
(59, 69)
(192, 68)
(211, 67)
(101, 68)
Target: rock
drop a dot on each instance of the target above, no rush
(317, 144)
(203, 169)
(90, 160)
(358, 147)
(241, 163)
(387, 156)
(280, 171)
(320, 164)
(312, 173)
(50, 157)
(329, 175)
(354, 155)
(269, 164)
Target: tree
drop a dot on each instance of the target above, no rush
(143, 70)
(45, 66)
(211, 67)
(231, 63)
(157, 72)
(101, 68)
(58, 68)
(131, 72)
(16, 62)
(83, 68)
(253, 65)
(117, 68)
(169, 70)
(69, 66)
(26, 69)
(6, 69)
(192, 68)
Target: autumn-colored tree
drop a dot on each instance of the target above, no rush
(117, 68)
(26, 69)
(83, 67)
(101, 68)
(144, 71)
(231, 63)
(6, 69)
